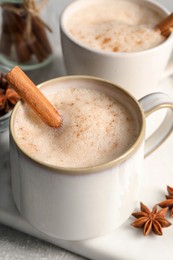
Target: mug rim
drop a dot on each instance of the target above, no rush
(110, 53)
(89, 169)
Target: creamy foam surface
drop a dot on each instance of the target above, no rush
(96, 129)
(116, 26)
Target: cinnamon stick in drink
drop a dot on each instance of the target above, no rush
(27, 90)
(165, 25)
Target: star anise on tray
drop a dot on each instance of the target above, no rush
(151, 220)
(8, 97)
(169, 201)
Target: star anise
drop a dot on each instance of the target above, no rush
(8, 97)
(150, 220)
(169, 201)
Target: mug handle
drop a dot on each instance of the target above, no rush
(150, 104)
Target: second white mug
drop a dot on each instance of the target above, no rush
(138, 72)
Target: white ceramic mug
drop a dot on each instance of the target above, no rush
(80, 203)
(138, 72)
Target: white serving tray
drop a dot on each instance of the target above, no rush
(126, 242)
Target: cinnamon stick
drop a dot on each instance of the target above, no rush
(22, 50)
(165, 25)
(27, 90)
(36, 48)
(40, 34)
(16, 27)
(6, 39)
(32, 47)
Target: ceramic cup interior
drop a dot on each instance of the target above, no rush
(105, 87)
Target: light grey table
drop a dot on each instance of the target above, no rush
(14, 244)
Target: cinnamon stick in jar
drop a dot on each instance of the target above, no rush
(36, 48)
(17, 29)
(6, 38)
(29, 41)
(40, 33)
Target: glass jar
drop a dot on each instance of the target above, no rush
(4, 133)
(4, 124)
(24, 35)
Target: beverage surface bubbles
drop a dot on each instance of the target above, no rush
(96, 129)
(116, 26)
